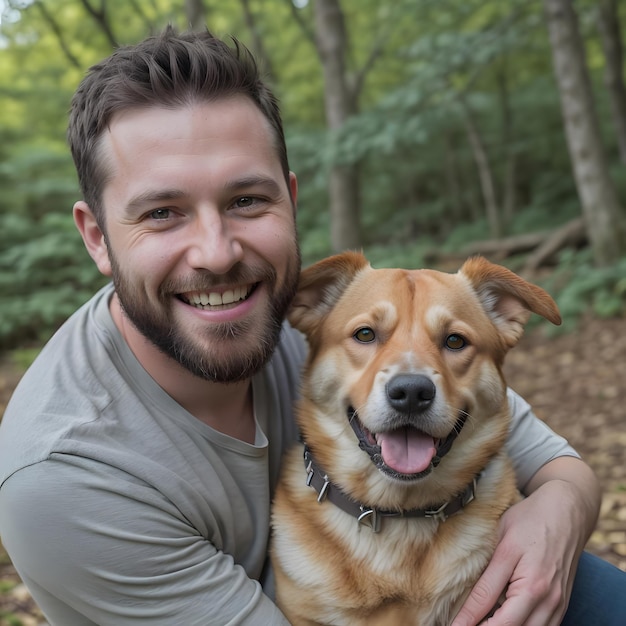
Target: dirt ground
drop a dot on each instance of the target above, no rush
(575, 382)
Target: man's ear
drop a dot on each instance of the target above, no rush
(293, 189)
(93, 236)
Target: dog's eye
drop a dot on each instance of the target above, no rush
(364, 335)
(455, 342)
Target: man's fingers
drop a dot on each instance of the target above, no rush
(484, 596)
(518, 610)
(537, 604)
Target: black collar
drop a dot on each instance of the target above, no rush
(370, 516)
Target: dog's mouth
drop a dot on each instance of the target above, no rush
(404, 453)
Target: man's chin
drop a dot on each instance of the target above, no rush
(226, 353)
(221, 368)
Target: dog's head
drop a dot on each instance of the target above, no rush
(400, 361)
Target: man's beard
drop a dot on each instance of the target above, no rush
(236, 350)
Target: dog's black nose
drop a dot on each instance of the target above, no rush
(411, 393)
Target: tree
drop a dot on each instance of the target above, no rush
(611, 37)
(419, 78)
(102, 17)
(598, 196)
(485, 173)
(195, 14)
(258, 46)
(331, 42)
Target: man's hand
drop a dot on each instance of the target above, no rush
(540, 541)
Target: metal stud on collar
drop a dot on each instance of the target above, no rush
(369, 517)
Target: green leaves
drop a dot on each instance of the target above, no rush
(421, 68)
(45, 274)
(580, 288)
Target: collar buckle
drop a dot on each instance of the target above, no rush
(438, 514)
(454, 506)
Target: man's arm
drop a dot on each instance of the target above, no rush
(98, 546)
(540, 541)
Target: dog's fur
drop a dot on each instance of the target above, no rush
(365, 329)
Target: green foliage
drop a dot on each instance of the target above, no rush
(22, 358)
(45, 274)
(10, 619)
(423, 67)
(405, 255)
(580, 288)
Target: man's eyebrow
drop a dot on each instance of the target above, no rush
(253, 181)
(150, 197)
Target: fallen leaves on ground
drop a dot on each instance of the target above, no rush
(577, 384)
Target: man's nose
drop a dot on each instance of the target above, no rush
(214, 243)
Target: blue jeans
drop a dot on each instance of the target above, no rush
(598, 596)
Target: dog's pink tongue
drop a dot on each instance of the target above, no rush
(407, 450)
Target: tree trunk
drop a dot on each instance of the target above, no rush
(600, 205)
(258, 47)
(485, 175)
(195, 14)
(55, 27)
(508, 153)
(101, 18)
(453, 182)
(611, 37)
(331, 44)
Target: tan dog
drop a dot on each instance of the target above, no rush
(391, 515)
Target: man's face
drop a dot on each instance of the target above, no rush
(200, 233)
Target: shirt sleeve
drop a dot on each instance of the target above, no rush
(531, 442)
(96, 546)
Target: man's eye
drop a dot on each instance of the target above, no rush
(160, 214)
(245, 201)
(249, 202)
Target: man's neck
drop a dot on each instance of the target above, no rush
(225, 407)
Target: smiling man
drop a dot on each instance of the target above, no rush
(149, 432)
(199, 237)
(140, 453)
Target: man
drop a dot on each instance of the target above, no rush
(139, 454)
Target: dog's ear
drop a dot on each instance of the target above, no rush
(507, 298)
(320, 287)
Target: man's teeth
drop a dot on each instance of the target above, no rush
(212, 298)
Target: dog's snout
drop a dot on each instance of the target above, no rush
(411, 393)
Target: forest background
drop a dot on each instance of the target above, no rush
(421, 131)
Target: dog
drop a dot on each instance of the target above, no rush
(387, 512)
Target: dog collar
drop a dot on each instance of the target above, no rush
(370, 516)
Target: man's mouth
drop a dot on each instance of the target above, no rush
(206, 300)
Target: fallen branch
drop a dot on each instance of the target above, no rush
(502, 248)
(573, 233)
(541, 246)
